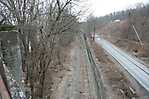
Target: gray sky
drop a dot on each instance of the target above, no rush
(103, 7)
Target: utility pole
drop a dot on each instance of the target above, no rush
(137, 36)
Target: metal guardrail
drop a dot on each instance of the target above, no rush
(96, 73)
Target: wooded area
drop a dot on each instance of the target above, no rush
(137, 16)
(44, 29)
(35, 36)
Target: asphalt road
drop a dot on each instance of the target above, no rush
(135, 68)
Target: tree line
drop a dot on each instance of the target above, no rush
(137, 16)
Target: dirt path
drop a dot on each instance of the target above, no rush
(76, 84)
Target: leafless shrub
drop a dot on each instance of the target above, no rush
(45, 27)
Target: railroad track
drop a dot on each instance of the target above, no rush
(96, 74)
(137, 70)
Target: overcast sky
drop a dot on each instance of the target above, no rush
(103, 7)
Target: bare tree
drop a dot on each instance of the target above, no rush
(42, 26)
(22, 10)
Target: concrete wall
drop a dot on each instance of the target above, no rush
(11, 53)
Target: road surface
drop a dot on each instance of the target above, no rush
(135, 68)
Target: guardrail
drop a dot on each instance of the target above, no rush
(96, 73)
